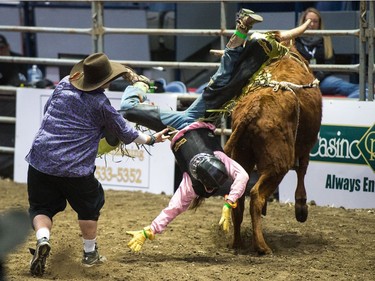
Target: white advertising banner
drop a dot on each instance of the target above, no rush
(149, 171)
(341, 172)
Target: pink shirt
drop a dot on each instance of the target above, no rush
(185, 194)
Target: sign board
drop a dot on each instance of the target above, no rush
(341, 172)
(149, 171)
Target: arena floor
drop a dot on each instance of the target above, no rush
(334, 244)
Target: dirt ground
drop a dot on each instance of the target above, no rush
(334, 243)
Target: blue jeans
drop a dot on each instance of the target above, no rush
(175, 119)
(332, 85)
(180, 119)
(227, 62)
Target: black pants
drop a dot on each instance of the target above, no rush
(48, 195)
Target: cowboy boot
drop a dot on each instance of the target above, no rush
(145, 115)
(245, 20)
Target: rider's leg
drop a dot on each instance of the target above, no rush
(136, 108)
(179, 119)
(245, 21)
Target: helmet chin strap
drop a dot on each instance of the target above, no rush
(209, 190)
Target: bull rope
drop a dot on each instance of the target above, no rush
(284, 85)
(264, 80)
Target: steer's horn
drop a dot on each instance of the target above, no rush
(284, 36)
(295, 32)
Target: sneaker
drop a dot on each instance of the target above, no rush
(40, 254)
(246, 19)
(92, 258)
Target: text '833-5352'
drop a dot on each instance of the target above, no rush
(123, 175)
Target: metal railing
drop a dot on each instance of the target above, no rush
(365, 35)
(98, 30)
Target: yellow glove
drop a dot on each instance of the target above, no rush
(105, 147)
(139, 238)
(226, 219)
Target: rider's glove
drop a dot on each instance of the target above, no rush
(139, 238)
(225, 219)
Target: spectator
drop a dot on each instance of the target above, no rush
(62, 156)
(12, 74)
(318, 50)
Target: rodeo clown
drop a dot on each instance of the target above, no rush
(62, 156)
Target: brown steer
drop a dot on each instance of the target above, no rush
(274, 126)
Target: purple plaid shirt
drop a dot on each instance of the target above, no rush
(66, 144)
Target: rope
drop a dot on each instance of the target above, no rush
(264, 80)
(289, 86)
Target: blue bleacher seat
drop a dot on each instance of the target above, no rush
(176, 87)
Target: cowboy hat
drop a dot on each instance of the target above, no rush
(95, 71)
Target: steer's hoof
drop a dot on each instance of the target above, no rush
(301, 211)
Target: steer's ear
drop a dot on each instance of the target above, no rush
(288, 43)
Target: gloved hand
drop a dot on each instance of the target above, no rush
(144, 88)
(131, 76)
(226, 219)
(105, 147)
(139, 238)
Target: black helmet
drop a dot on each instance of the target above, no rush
(209, 170)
